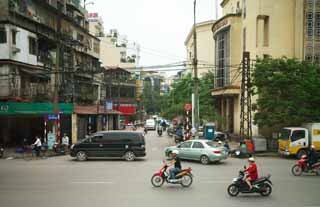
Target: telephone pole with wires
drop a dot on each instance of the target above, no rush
(196, 80)
(245, 100)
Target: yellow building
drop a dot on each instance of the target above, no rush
(274, 28)
(205, 47)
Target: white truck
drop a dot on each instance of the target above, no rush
(297, 140)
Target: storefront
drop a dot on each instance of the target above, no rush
(24, 121)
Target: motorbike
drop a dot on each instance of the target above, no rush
(59, 149)
(178, 139)
(145, 130)
(184, 177)
(1, 152)
(302, 167)
(262, 185)
(159, 131)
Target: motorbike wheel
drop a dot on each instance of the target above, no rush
(233, 190)
(157, 181)
(186, 181)
(296, 170)
(266, 189)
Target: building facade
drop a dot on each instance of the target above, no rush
(47, 55)
(205, 47)
(264, 28)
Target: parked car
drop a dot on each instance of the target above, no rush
(126, 144)
(203, 150)
(150, 124)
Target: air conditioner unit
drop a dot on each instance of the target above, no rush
(15, 50)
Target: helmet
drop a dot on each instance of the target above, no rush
(251, 159)
(219, 142)
(175, 152)
(313, 147)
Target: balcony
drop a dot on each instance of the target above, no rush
(40, 92)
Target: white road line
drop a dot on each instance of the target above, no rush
(91, 182)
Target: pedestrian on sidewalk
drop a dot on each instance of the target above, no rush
(37, 144)
(65, 142)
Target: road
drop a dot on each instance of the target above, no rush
(61, 181)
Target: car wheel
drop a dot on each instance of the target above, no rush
(81, 156)
(301, 153)
(233, 190)
(204, 159)
(129, 156)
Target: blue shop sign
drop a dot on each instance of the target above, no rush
(53, 117)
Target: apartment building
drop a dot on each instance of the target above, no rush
(274, 28)
(47, 56)
(205, 47)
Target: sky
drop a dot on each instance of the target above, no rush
(159, 26)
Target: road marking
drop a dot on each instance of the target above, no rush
(91, 182)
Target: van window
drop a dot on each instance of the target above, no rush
(298, 134)
(96, 138)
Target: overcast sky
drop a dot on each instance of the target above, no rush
(159, 26)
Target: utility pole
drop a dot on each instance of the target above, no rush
(195, 67)
(245, 101)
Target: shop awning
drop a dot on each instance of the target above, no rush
(15, 108)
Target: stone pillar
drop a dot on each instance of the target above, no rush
(74, 128)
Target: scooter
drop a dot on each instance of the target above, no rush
(159, 131)
(302, 167)
(178, 139)
(59, 149)
(184, 177)
(1, 152)
(262, 185)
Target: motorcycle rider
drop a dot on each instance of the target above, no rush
(177, 164)
(312, 156)
(252, 172)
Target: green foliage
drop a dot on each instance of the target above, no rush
(172, 105)
(288, 92)
(151, 99)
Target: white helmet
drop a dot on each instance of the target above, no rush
(313, 147)
(175, 152)
(251, 159)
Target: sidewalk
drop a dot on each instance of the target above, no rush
(10, 153)
(235, 145)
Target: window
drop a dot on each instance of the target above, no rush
(32, 46)
(244, 38)
(14, 36)
(266, 32)
(298, 134)
(197, 145)
(185, 145)
(96, 138)
(222, 59)
(244, 8)
(3, 35)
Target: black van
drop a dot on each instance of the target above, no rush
(126, 144)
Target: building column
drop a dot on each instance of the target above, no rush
(74, 128)
(227, 109)
(99, 122)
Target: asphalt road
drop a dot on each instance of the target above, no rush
(61, 181)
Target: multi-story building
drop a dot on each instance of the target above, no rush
(96, 25)
(205, 47)
(274, 28)
(115, 51)
(47, 55)
(120, 93)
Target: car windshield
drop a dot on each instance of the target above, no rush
(285, 134)
(211, 144)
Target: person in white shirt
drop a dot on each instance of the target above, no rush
(65, 141)
(37, 145)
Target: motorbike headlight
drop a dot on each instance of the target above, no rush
(72, 146)
(234, 179)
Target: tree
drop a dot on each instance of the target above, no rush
(151, 99)
(288, 92)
